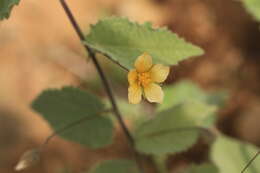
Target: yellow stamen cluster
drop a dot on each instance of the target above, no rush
(144, 79)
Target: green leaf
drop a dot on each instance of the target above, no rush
(253, 7)
(129, 111)
(203, 168)
(231, 155)
(173, 130)
(63, 106)
(188, 91)
(69, 105)
(135, 114)
(124, 41)
(6, 7)
(95, 132)
(116, 166)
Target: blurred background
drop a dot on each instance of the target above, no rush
(39, 50)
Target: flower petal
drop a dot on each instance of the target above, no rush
(143, 63)
(134, 94)
(159, 73)
(132, 77)
(154, 93)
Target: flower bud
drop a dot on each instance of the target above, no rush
(28, 159)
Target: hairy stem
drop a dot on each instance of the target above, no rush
(104, 81)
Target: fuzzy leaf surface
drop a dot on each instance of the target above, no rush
(188, 91)
(69, 105)
(203, 168)
(116, 166)
(173, 130)
(231, 155)
(124, 41)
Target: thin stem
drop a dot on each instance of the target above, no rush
(104, 81)
(81, 35)
(99, 69)
(72, 124)
(161, 163)
(250, 162)
(111, 59)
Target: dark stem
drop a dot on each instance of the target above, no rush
(99, 69)
(82, 38)
(104, 80)
(250, 162)
(111, 59)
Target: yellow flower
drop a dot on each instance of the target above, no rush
(144, 79)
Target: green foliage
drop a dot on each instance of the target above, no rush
(6, 7)
(72, 105)
(173, 130)
(124, 41)
(253, 6)
(203, 168)
(231, 155)
(68, 103)
(133, 113)
(129, 111)
(188, 91)
(116, 166)
(95, 132)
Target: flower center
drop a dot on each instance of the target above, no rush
(144, 79)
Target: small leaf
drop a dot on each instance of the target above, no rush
(203, 168)
(253, 6)
(231, 155)
(6, 7)
(124, 41)
(173, 130)
(188, 91)
(116, 166)
(69, 105)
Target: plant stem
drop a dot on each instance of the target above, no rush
(104, 81)
(160, 162)
(250, 162)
